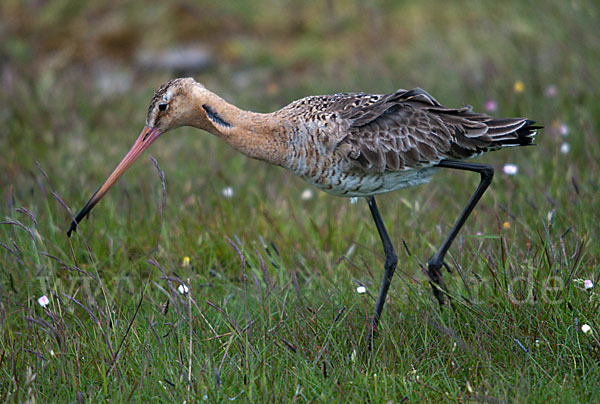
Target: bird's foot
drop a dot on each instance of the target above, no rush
(372, 331)
(435, 280)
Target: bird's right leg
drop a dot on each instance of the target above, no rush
(391, 260)
(435, 263)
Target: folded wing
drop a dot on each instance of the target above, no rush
(410, 129)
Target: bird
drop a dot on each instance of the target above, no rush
(346, 144)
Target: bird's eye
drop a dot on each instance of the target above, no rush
(163, 107)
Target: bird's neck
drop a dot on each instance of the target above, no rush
(260, 136)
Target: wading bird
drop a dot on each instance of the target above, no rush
(344, 144)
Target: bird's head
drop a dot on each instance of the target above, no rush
(176, 103)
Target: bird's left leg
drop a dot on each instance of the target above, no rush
(391, 260)
(435, 263)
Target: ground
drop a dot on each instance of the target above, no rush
(207, 276)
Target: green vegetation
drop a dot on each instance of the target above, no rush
(272, 313)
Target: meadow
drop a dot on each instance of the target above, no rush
(205, 276)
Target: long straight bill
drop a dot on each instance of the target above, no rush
(146, 138)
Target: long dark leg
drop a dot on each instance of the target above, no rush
(435, 263)
(391, 260)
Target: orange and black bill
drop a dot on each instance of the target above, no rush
(146, 138)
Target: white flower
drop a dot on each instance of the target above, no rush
(307, 194)
(183, 289)
(551, 91)
(563, 129)
(586, 329)
(565, 148)
(588, 284)
(44, 301)
(227, 192)
(353, 200)
(510, 169)
(361, 290)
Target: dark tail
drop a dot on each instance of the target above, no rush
(513, 131)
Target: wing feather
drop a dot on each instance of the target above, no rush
(409, 129)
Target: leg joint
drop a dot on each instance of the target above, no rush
(487, 174)
(435, 262)
(391, 260)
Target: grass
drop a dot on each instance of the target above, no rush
(272, 312)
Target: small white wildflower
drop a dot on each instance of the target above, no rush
(510, 169)
(361, 290)
(44, 301)
(227, 192)
(586, 329)
(183, 289)
(479, 233)
(307, 194)
(353, 200)
(52, 352)
(565, 148)
(551, 91)
(537, 343)
(588, 284)
(563, 129)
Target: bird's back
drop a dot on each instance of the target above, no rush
(362, 144)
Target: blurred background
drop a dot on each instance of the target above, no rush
(76, 76)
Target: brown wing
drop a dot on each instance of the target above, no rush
(409, 129)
